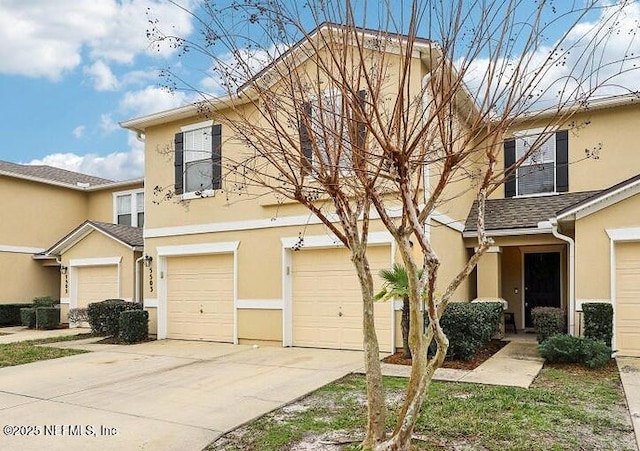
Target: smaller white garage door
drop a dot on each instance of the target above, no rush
(96, 283)
(628, 299)
(327, 301)
(200, 297)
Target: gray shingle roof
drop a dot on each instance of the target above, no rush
(51, 174)
(127, 234)
(523, 212)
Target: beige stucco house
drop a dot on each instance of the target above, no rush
(566, 231)
(46, 243)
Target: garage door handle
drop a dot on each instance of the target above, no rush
(339, 313)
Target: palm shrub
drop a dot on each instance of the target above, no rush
(396, 285)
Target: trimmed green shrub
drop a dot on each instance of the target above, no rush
(47, 317)
(469, 326)
(548, 321)
(28, 317)
(45, 301)
(567, 349)
(598, 321)
(10, 314)
(104, 316)
(134, 326)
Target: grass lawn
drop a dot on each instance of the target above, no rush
(566, 408)
(12, 354)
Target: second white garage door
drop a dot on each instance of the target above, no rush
(96, 283)
(200, 297)
(327, 302)
(627, 325)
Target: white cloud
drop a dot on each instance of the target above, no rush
(103, 78)
(151, 100)
(46, 38)
(78, 131)
(107, 124)
(114, 166)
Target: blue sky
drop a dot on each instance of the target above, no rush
(70, 70)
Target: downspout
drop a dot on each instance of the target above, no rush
(572, 275)
(138, 284)
(426, 183)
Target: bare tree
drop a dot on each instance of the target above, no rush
(355, 109)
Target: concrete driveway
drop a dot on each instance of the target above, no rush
(161, 395)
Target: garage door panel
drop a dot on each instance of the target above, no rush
(627, 327)
(327, 302)
(96, 283)
(200, 297)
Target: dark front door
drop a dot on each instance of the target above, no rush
(541, 282)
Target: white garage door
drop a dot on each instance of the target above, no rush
(200, 297)
(96, 283)
(628, 299)
(327, 302)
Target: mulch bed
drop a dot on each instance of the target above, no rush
(579, 369)
(478, 358)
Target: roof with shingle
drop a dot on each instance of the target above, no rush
(127, 235)
(49, 174)
(523, 212)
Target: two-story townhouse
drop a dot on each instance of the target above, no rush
(224, 264)
(90, 221)
(567, 224)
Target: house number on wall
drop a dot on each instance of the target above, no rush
(150, 279)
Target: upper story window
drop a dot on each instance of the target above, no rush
(329, 123)
(129, 208)
(198, 155)
(545, 171)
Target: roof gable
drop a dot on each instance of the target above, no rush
(128, 236)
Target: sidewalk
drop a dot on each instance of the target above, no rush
(515, 365)
(629, 369)
(21, 333)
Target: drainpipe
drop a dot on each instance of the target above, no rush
(572, 272)
(138, 285)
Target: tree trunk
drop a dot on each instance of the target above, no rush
(376, 408)
(405, 327)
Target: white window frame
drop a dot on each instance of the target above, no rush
(134, 205)
(316, 130)
(530, 136)
(189, 195)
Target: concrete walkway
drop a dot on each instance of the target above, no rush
(160, 395)
(629, 369)
(515, 365)
(20, 333)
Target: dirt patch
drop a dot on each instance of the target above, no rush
(478, 358)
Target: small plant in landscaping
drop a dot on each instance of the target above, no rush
(47, 317)
(567, 349)
(134, 326)
(10, 314)
(78, 315)
(598, 321)
(28, 317)
(548, 321)
(104, 316)
(45, 301)
(469, 326)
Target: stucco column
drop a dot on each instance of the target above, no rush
(489, 272)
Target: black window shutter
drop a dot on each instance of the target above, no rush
(305, 138)
(178, 163)
(562, 161)
(362, 129)
(216, 155)
(509, 161)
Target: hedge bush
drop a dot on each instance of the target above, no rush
(598, 321)
(134, 326)
(47, 317)
(28, 317)
(104, 316)
(548, 321)
(10, 314)
(567, 349)
(45, 301)
(469, 326)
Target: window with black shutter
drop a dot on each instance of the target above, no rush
(198, 159)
